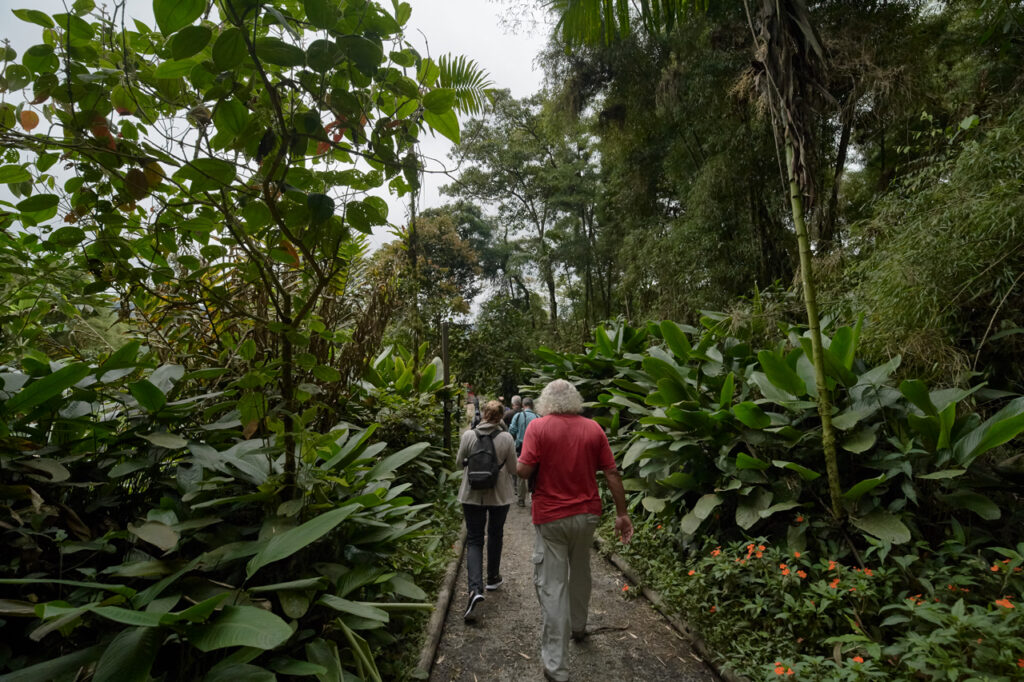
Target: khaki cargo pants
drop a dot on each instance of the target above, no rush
(561, 574)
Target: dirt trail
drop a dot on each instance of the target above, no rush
(629, 640)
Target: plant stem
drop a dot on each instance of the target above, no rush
(828, 437)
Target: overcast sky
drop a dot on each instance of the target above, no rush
(478, 29)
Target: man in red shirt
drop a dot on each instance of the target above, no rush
(566, 450)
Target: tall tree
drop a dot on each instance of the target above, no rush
(515, 161)
(788, 60)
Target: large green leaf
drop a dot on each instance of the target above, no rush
(751, 415)
(863, 487)
(392, 462)
(883, 526)
(676, 339)
(278, 52)
(1001, 428)
(325, 653)
(916, 392)
(172, 15)
(241, 626)
(975, 502)
(804, 473)
(229, 49)
(745, 461)
(149, 396)
(750, 508)
(440, 101)
(291, 541)
(14, 175)
(364, 53)
(190, 40)
(446, 124)
(355, 608)
(60, 668)
(129, 656)
(51, 385)
(781, 374)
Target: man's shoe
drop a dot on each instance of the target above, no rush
(474, 599)
(550, 676)
(494, 583)
(520, 503)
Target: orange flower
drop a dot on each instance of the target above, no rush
(868, 572)
(1020, 662)
(782, 565)
(691, 572)
(659, 526)
(834, 584)
(1005, 603)
(713, 609)
(854, 589)
(802, 574)
(785, 571)
(995, 568)
(799, 519)
(831, 565)
(625, 588)
(796, 554)
(858, 659)
(760, 548)
(759, 555)
(780, 670)
(716, 551)
(789, 671)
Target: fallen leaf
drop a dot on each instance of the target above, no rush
(524, 655)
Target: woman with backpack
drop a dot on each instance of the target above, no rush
(487, 455)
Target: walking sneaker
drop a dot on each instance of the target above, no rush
(494, 583)
(474, 599)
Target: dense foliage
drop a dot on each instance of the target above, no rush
(209, 466)
(719, 445)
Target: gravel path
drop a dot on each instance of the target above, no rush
(629, 640)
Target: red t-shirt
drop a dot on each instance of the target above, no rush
(568, 450)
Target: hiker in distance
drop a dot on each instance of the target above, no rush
(517, 407)
(517, 429)
(567, 450)
(488, 456)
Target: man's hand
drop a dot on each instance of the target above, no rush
(624, 527)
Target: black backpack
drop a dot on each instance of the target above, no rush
(482, 465)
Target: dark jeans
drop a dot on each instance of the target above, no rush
(478, 516)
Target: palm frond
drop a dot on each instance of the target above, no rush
(471, 84)
(594, 22)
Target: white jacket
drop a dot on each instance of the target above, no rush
(505, 449)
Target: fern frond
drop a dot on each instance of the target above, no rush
(471, 83)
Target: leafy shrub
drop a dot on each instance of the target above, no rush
(147, 542)
(720, 443)
(762, 607)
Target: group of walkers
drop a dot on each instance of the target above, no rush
(559, 451)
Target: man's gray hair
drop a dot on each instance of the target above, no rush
(560, 397)
(516, 401)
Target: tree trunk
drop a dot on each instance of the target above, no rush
(827, 233)
(828, 437)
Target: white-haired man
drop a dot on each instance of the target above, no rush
(566, 450)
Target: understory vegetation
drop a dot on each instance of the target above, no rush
(922, 575)
(226, 418)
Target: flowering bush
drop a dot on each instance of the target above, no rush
(771, 612)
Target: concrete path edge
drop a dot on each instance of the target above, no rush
(681, 626)
(435, 628)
